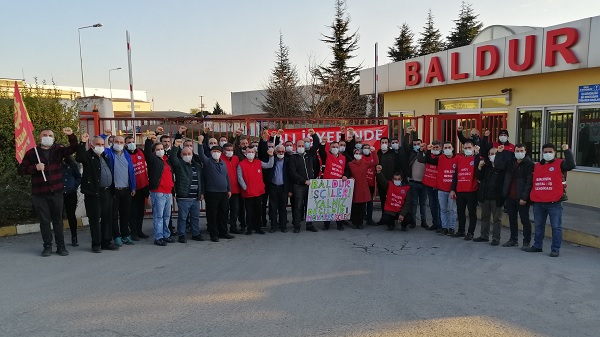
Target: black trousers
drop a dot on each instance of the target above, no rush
(217, 205)
(70, 203)
(300, 193)
(514, 209)
(357, 214)
(242, 213)
(389, 219)
(234, 210)
(99, 212)
(120, 212)
(263, 209)
(49, 210)
(136, 213)
(468, 201)
(382, 195)
(253, 212)
(278, 198)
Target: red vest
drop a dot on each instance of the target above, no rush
(370, 171)
(334, 166)
(396, 195)
(547, 182)
(431, 173)
(467, 180)
(252, 173)
(232, 164)
(140, 169)
(446, 167)
(510, 147)
(166, 183)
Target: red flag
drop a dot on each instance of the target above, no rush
(24, 139)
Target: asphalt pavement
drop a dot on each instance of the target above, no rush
(367, 282)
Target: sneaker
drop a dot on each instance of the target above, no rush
(118, 241)
(495, 242)
(74, 241)
(424, 225)
(127, 240)
(432, 228)
(259, 231)
(227, 236)
(534, 249)
(47, 251)
(62, 251)
(96, 249)
(413, 225)
(142, 235)
(444, 232)
(197, 237)
(181, 239)
(283, 229)
(311, 229)
(214, 239)
(168, 240)
(468, 237)
(458, 235)
(234, 231)
(110, 246)
(340, 227)
(481, 239)
(439, 230)
(554, 253)
(296, 230)
(160, 243)
(511, 243)
(525, 245)
(273, 230)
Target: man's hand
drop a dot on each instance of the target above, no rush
(200, 139)
(290, 194)
(228, 195)
(372, 149)
(85, 137)
(153, 138)
(452, 195)
(400, 217)
(132, 193)
(481, 164)
(182, 129)
(40, 166)
(207, 129)
(378, 168)
(265, 135)
(178, 142)
(487, 133)
(565, 147)
(423, 147)
(344, 178)
(307, 183)
(68, 131)
(429, 147)
(160, 130)
(107, 131)
(459, 128)
(476, 148)
(270, 152)
(238, 132)
(274, 134)
(522, 202)
(500, 148)
(201, 196)
(311, 132)
(280, 132)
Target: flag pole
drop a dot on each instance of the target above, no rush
(40, 162)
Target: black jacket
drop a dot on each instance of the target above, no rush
(183, 174)
(491, 181)
(90, 182)
(301, 168)
(522, 172)
(155, 165)
(71, 175)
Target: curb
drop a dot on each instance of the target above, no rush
(35, 227)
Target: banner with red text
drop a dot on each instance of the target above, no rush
(24, 139)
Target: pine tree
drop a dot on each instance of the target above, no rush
(403, 48)
(467, 27)
(217, 110)
(284, 96)
(431, 38)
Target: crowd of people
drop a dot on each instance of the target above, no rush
(250, 183)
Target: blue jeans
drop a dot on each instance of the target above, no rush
(187, 207)
(434, 206)
(161, 214)
(447, 210)
(418, 194)
(541, 211)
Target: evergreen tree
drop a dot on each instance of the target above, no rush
(467, 27)
(403, 48)
(431, 38)
(217, 110)
(284, 96)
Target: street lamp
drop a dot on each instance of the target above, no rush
(80, 57)
(110, 83)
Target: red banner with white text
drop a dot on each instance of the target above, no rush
(370, 134)
(24, 139)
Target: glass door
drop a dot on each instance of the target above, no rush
(530, 131)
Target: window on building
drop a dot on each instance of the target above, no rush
(588, 137)
(560, 129)
(530, 131)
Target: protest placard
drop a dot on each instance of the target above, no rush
(329, 199)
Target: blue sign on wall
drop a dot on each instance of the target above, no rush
(589, 93)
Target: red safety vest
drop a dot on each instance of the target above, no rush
(334, 166)
(396, 195)
(510, 147)
(232, 164)
(252, 173)
(467, 180)
(547, 182)
(140, 169)
(370, 171)
(446, 167)
(431, 173)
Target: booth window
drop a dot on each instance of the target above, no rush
(530, 131)
(588, 138)
(560, 129)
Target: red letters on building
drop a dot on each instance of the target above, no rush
(513, 54)
(435, 71)
(455, 73)
(553, 47)
(413, 77)
(480, 68)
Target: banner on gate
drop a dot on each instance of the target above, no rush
(370, 134)
(329, 199)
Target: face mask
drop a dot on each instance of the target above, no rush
(447, 152)
(358, 156)
(307, 145)
(118, 147)
(520, 155)
(474, 136)
(131, 147)
(300, 150)
(250, 155)
(160, 153)
(187, 159)
(468, 152)
(358, 146)
(216, 155)
(366, 152)
(548, 156)
(335, 150)
(221, 143)
(98, 149)
(395, 146)
(289, 149)
(435, 152)
(47, 141)
(271, 148)
(342, 148)
(210, 146)
(229, 154)
(280, 156)
(416, 148)
(503, 139)
(384, 147)
(398, 182)
(492, 158)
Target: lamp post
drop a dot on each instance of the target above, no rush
(80, 57)
(110, 83)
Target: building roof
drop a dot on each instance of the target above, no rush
(127, 100)
(499, 31)
(154, 114)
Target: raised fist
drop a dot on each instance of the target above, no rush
(85, 137)
(429, 147)
(107, 131)
(372, 149)
(270, 152)
(274, 134)
(200, 139)
(153, 138)
(481, 164)
(280, 132)
(476, 148)
(265, 135)
(487, 133)
(378, 168)
(160, 129)
(311, 132)
(500, 148)
(207, 129)
(182, 129)
(238, 132)
(565, 147)
(459, 128)
(68, 131)
(178, 142)
(40, 166)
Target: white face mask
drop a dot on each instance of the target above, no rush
(447, 152)
(160, 153)
(229, 154)
(289, 149)
(280, 156)
(358, 146)
(468, 152)
(366, 152)
(216, 155)
(222, 143)
(342, 148)
(384, 147)
(435, 152)
(210, 146)
(250, 155)
(358, 156)
(47, 141)
(335, 150)
(118, 147)
(548, 156)
(98, 149)
(503, 139)
(395, 146)
(492, 158)
(187, 159)
(131, 147)
(398, 182)
(520, 155)
(300, 150)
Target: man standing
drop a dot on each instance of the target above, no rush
(138, 201)
(278, 188)
(490, 196)
(430, 182)
(389, 162)
(475, 138)
(464, 189)
(48, 192)
(231, 162)
(446, 166)
(335, 168)
(548, 192)
(418, 191)
(502, 141)
(249, 174)
(98, 189)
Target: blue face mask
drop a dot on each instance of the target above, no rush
(416, 148)
(358, 146)
(307, 145)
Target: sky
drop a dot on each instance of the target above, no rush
(184, 49)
